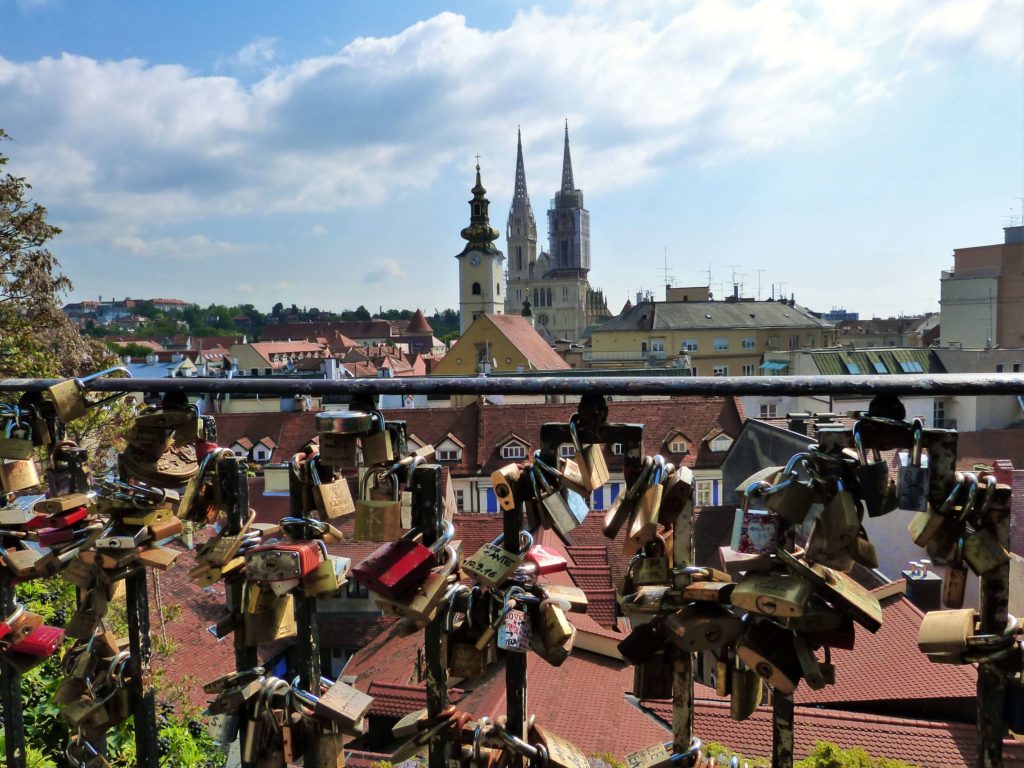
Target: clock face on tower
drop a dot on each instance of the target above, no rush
(475, 259)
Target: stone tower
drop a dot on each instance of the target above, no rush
(480, 262)
(521, 236)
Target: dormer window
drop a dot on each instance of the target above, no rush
(678, 445)
(721, 443)
(449, 449)
(513, 450)
(567, 450)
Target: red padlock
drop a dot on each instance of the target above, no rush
(51, 537)
(398, 567)
(545, 560)
(7, 624)
(42, 642)
(283, 562)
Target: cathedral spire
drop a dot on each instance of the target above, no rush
(567, 182)
(520, 193)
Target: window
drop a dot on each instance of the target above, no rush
(679, 445)
(773, 342)
(748, 370)
(476, 209)
(548, 298)
(513, 451)
(497, 289)
(519, 257)
(879, 367)
(721, 443)
(460, 499)
(565, 293)
(999, 367)
(616, 449)
(688, 345)
(356, 590)
(720, 343)
(1016, 367)
(702, 493)
(749, 342)
(810, 339)
(911, 366)
(720, 370)
(938, 413)
(657, 345)
(450, 455)
(853, 368)
(567, 450)
(254, 372)
(794, 341)
(769, 410)
(476, 289)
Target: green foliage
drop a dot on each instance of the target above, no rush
(723, 753)
(122, 348)
(608, 759)
(828, 755)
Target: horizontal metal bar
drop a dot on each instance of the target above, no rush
(938, 384)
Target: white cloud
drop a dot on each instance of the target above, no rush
(318, 229)
(259, 53)
(647, 86)
(27, 6)
(190, 248)
(387, 269)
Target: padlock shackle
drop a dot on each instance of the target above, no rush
(82, 381)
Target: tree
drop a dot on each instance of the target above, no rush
(36, 337)
(362, 313)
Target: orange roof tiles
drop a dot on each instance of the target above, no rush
(919, 742)
(522, 336)
(418, 324)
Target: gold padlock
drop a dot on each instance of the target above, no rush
(377, 447)
(377, 519)
(18, 475)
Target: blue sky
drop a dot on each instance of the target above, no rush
(322, 152)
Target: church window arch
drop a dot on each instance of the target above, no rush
(549, 297)
(476, 209)
(476, 289)
(497, 289)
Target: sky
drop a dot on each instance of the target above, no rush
(321, 153)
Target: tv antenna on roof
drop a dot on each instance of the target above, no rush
(667, 276)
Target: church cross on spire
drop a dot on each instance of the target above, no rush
(567, 182)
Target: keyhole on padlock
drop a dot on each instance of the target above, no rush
(764, 669)
(766, 605)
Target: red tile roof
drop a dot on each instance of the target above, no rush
(355, 329)
(919, 742)
(906, 679)
(394, 700)
(591, 577)
(419, 324)
(520, 333)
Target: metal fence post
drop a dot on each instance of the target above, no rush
(234, 489)
(782, 730)
(428, 517)
(10, 692)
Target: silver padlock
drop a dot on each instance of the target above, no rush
(914, 476)
(515, 632)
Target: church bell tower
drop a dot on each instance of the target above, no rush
(480, 262)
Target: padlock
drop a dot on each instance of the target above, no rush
(864, 551)
(759, 530)
(269, 563)
(18, 475)
(333, 499)
(590, 459)
(378, 519)
(275, 622)
(623, 506)
(503, 481)
(555, 655)
(20, 625)
(704, 628)
(553, 626)
(575, 596)
(677, 497)
(492, 564)
(768, 649)
(557, 510)
(644, 524)
(421, 605)
(645, 603)
(841, 518)
(816, 674)
(983, 552)
(655, 756)
(946, 632)
(650, 566)
(328, 577)
(745, 690)
(772, 594)
(376, 445)
(68, 396)
(516, 629)
(873, 481)
(560, 752)
(151, 441)
(16, 440)
(341, 704)
(954, 584)
(789, 497)
(914, 478)
(652, 678)
(838, 589)
(396, 568)
(643, 641)
(543, 561)
(571, 477)
(42, 642)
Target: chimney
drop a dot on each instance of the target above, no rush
(924, 587)
(798, 422)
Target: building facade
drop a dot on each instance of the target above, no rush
(983, 295)
(480, 263)
(556, 282)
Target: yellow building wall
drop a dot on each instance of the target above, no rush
(248, 358)
(461, 359)
(706, 358)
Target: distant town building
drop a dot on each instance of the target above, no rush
(480, 263)
(909, 331)
(709, 338)
(837, 315)
(123, 313)
(983, 295)
(556, 282)
(499, 343)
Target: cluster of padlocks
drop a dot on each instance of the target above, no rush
(771, 614)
